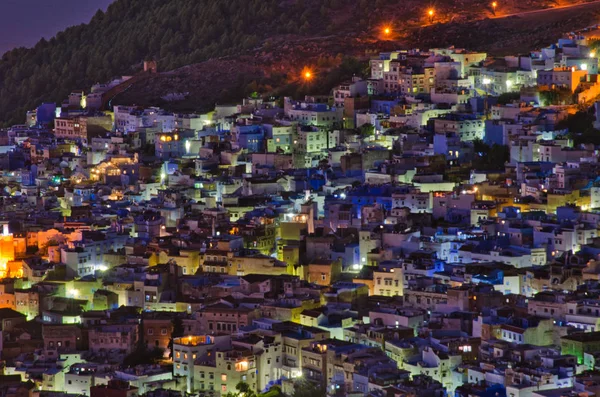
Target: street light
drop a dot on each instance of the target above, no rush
(494, 5)
(307, 74)
(430, 13)
(486, 81)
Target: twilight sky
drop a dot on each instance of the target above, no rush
(24, 22)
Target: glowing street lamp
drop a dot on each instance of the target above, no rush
(486, 82)
(387, 31)
(494, 5)
(307, 74)
(430, 12)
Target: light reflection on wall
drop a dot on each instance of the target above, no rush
(8, 266)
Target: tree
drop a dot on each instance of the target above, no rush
(178, 331)
(579, 122)
(367, 130)
(115, 42)
(243, 390)
(580, 127)
(488, 157)
(557, 96)
(508, 97)
(274, 391)
(479, 146)
(143, 356)
(308, 389)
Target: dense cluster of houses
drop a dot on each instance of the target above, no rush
(362, 243)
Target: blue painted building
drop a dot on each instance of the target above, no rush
(250, 137)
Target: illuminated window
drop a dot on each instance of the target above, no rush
(241, 366)
(224, 377)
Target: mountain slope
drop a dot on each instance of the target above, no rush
(177, 33)
(174, 32)
(277, 72)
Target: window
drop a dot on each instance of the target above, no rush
(224, 377)
(150, 331)
(163, 331)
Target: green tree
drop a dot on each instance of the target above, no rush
(488, 157)
(508, 97)
(367, 130)
(579, 122)
(116, 42)
(274, 391)
(243, 390)
(557, 96)
(143, 356)
(308, 389)
(178, 331)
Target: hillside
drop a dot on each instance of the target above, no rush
(174, 32)
(238, 45)
(277, 72)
